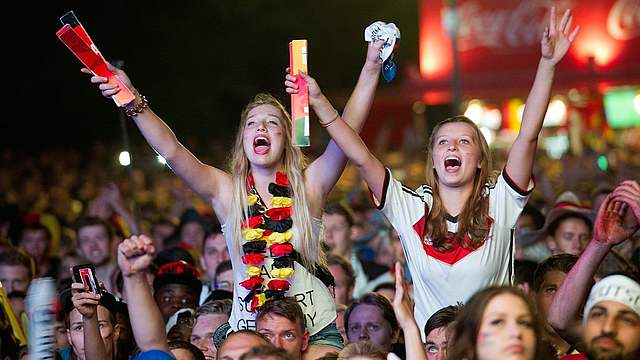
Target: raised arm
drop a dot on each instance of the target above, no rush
(324, 172)
(608, 232)
(210, 183)
(134, 256)
(404, 314)
(87, 303)
(556, 41)
(346, 138)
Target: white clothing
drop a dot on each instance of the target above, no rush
(445, 278)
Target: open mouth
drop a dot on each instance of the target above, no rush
(452, 164)
(261, 145)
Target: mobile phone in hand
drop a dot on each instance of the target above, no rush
(86, 275)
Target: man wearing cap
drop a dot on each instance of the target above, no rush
(612, 319)
(567, 227)
(611, 322)
(176, 286)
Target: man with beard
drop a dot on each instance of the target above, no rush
(611, 316)
(612, 320)
(16, 272)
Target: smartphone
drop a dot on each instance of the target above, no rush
(86, 275)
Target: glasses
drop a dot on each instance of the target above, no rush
(179, 267)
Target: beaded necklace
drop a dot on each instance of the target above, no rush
(268, 230)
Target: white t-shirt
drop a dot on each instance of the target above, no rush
(312, 295)
(442, 279)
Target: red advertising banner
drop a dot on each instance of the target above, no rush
(499, 42)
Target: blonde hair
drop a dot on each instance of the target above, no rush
(474, 217)
(362, 350)
(294, 163)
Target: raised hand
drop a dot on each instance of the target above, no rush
(373, 54)
(108, 90)
(84, 301)
(135, 254)
(401, 304)
(113, 196)
(557, 37)
(628, 192)
(292, 86)
(609, 228)
(99, 206)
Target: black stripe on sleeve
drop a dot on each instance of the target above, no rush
(512, 184)
(385, 187)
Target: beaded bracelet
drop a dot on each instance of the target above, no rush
(138, 108)
(325, 125)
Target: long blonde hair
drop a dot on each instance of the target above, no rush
(294, 162)
(474, 217)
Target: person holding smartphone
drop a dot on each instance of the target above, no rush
(91, 324)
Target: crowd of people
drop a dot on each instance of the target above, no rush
(261, 266)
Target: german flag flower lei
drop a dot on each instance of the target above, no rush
(268, 230)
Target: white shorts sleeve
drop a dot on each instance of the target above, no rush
(405, 209)
(507, 200)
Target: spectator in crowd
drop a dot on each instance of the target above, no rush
(68, 261)
(171, 254)
(609, 230)
(176, 286)
(180, 324)
(94, 239)
(387, 290)
(337, 221)
(266, 352)
(497, 323)
(110, 207)
(548, 278)
(35, 241)
(126, 344)
(362, 351)
(214, 252)
(282, 322)
(161, 230)
(16, 272)
(91, 323)
(523, 275)
(238, 342)
(611, 319)
(266, 169)
(183, 350)
(224, 276)
(462, 207)
(529, 247)
(343, 276)
(567, 227)
(436, 330)
(209, 317)
(192, 230)
(371, 319)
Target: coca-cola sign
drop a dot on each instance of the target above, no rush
(623, 22)
(503, 27)
(498, 37)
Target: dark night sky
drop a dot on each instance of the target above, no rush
(198, 62)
